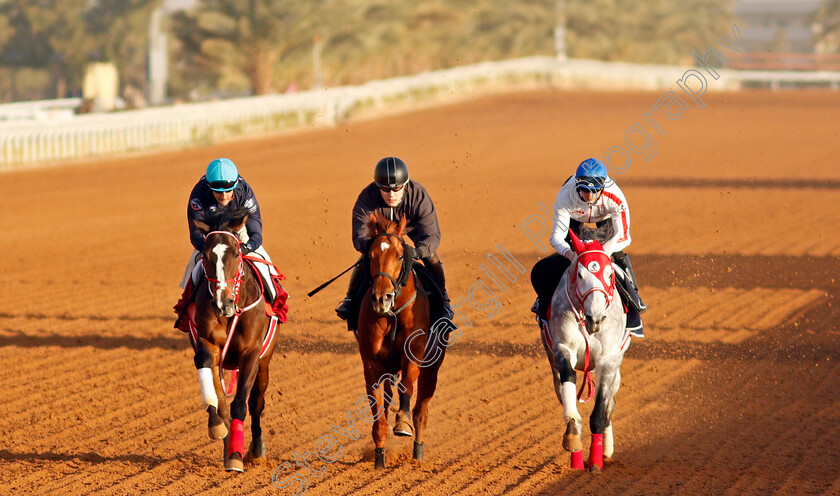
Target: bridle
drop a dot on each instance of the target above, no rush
(217, 284)
(573, 291)
(401, 279)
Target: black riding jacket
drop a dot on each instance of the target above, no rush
(203, 201)
(421, 219)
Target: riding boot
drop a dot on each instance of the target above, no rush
(435, 266)
(345, 306)
(622, 260)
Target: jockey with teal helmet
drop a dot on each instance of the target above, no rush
(589, 197)
(222, 187)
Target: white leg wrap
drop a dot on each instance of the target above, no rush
(569, 398)
(609, 446)
(208, 390)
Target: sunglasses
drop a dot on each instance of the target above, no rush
(394, 189)
(222, 185)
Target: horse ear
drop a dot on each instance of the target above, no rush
(238, 224)
(381, 224)
(401, 226)
(371, 225)
(204, 228)
(577, 244)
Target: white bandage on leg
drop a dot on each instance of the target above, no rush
(569, 398)
(208, 390)
(609, 446)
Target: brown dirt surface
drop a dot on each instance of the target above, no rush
(735, 242)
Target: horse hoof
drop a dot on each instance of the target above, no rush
(379, 458)
(403, 428)
(234, 464)
(418, 451)
(595, 470)
(571, 439)
(215, 425)
(256, 450)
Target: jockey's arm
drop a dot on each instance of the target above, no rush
(426, 233)
(559, 232)
(620, 219)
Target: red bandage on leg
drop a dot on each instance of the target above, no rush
(596, 451)
(236, 442)
(577, 460)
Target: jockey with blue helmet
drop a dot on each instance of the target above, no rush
(590, 197)
(222, 187)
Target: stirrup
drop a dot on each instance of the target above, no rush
(344, 308)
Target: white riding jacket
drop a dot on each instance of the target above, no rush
(610, 205)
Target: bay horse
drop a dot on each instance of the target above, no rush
(393, 331)
(587, 331)
(232, 331)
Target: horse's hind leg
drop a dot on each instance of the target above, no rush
(256, 404)
(426, 385)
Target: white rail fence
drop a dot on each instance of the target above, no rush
(36, 142)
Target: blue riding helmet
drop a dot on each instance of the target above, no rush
(222, 175)
(591, 175)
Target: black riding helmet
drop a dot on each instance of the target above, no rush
(390, 173)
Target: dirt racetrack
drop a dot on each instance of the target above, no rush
(736, 243)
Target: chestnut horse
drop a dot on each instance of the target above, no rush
(232, 331)
(393, 331)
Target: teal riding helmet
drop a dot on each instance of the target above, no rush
(222, 175)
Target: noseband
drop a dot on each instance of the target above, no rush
(222, 283)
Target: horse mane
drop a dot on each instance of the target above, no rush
(379, 224)
(224, 219)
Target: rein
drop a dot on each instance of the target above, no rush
(576, 300)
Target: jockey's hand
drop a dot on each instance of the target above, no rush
(410, 253)
(245, 249)
(570, 254)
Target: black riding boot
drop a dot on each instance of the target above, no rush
(630, 292)
(435, 266)
(622, 260)
(345, 306)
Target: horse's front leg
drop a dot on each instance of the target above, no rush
(600, 424)
(206, 360)
(248, 368)
(378, 387)
(564, 384)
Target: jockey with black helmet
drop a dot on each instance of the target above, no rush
(590, 196)
(222, 187)
(392, 194)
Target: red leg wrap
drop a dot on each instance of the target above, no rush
(577, 460)
(596, 451)
(236, 442)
